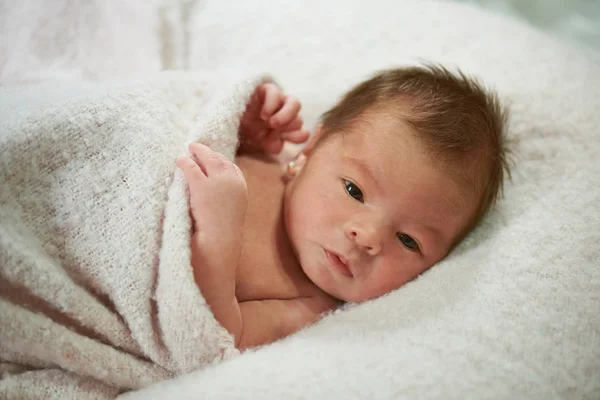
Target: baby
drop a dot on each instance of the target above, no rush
(397, 173)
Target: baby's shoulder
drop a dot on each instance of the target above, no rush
(319, 302)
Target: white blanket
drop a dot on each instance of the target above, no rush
(514, 312)
(97, 290)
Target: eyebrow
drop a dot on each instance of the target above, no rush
(454, 207)
(365, 169)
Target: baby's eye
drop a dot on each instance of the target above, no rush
(407, 241)
(354, 191)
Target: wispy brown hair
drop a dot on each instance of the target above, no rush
(460, 123)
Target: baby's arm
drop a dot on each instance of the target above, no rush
(218, 202)
(266, 321)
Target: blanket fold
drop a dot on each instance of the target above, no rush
(97, 295)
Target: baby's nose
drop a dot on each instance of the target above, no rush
(367, 237)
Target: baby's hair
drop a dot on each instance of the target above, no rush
(460, 123)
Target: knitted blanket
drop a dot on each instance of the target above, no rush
(97, 295)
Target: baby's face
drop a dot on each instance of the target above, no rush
(369, 211)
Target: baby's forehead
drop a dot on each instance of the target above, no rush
(395, 164)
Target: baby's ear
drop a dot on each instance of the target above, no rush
(313, 140)
(295, 166)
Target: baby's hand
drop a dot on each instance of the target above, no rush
(218, 200)
(270, 119)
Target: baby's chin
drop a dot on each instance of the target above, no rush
(357, 294)
(328, 286)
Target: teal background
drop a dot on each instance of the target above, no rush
(574, 21)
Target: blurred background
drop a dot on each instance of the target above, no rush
(98, 39)
(574, 21)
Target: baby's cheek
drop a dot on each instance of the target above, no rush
(310, 211)
(397, 272)
(328, 206)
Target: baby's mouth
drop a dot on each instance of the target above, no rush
(339, 263)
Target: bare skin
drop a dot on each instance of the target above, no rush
(362, 214)
(251, 277)
(270, 284)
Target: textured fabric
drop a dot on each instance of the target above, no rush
(513, 313)
(74, 40)
(97, 289)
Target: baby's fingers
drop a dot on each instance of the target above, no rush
(295, 125)
(191, 170)
(272, 100)
(292, 132)
(273, 146)
(299, 136)
(287, 114)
